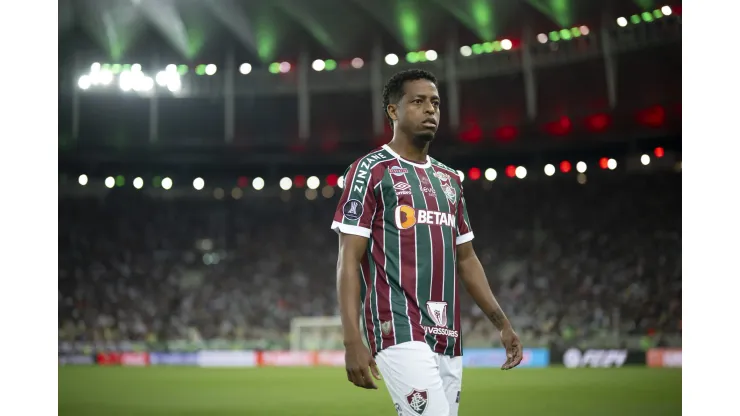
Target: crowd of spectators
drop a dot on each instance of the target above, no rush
(568, 262)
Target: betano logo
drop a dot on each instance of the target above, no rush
(406, 217)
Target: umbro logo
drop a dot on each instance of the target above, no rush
(402, 186)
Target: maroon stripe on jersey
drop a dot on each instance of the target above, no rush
(382, 288)
(438, 252)
(407, 259)
(368, 314)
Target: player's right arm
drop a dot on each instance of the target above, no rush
(353, 222)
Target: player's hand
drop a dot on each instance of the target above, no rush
(513, 347)
(358, 360)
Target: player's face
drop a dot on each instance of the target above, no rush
(418, 110)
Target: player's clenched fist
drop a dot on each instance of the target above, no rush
(357, 359)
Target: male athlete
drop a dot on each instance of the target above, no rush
(404, 243)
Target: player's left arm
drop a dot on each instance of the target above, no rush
(474, 279)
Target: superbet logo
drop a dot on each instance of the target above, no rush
(406, 217)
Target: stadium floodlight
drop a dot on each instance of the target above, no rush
(461, 175)
(611, 164)
(313, 182)
(506, 44)
(84, 82)
(357, 63)
(466, 50)
(198, 184)
(391, 59)
(258, 183)
(622, 22)
(340, 182)
(138, 183)
(161, 78)
(521, 172)
(174, 84)
(490, 174)
(126, 81)
(95, 67)
(645, 159)
(136, 68)
(245, 68)
(549, 169)
(110, 182)
(167, 183)
(330, 64)
(542, 38)
(144, 84)
(284, 67)
(211, 69)
(431, 55)
(171, 68)
(667, 11)
(82, 180)
(581, 167)
(585, 30)
(285, 183)
(318, 65)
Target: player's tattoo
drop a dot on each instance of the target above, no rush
(498, 318)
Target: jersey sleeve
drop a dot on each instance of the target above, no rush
(356, 208)
(464, 231)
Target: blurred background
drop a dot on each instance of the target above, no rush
(201, 147)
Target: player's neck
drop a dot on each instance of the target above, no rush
(408, 149)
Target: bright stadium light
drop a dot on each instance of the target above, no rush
(340, 182)
(357, 63)
(549, 169)
(285, 183)
(506, 44)
(622, 21)
(461, 175)
(258, 183)
(542, 38)
(167, 184)
(431, 55)
(667, 11)
(313, 182)
(611, 164)
(138, 183)
(110, 182)
(84, 82)
(162, 77)
(126, 81)
(171, 68)
(466, 50)
(198, 183)
(95, 67)
(391, 59)
(144, 84)
(211, 69)
(521, 172)
(581, 167)
(318, 65)
(136, 68)
(585, 30)
(284, 67)
(245, 68)
(82, 180)
(174, 84)
(490, 174)
(645, 160)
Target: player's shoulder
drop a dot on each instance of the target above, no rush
(441, 167)
(370, 160)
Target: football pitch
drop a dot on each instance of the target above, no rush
(184, 391)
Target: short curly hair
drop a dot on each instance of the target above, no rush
(393, 89)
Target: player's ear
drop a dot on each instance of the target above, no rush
(392, 110)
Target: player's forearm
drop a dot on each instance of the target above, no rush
(348, 294)
(474, 279)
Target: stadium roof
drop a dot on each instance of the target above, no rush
(267, 30)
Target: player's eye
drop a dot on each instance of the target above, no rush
(435, 103)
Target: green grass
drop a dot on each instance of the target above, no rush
(130, 391)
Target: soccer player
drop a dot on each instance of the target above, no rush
(404, 245)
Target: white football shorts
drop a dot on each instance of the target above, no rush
(420, 381)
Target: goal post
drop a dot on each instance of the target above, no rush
(314, 333)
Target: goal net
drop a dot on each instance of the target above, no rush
(316, 333)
